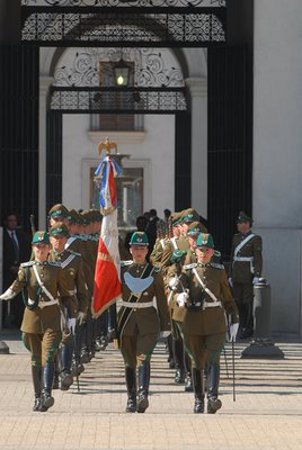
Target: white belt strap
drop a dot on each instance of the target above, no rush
(43, 304)
(244, 258)
(211, 304)
(173, 240)
(137, 305)
(207, 290)
(44, 289)
(162, 243)
(242, 244)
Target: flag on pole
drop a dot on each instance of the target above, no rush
(107, 283)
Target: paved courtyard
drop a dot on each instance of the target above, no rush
(267, 413)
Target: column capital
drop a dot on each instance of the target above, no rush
(198, 86)
(45, 82)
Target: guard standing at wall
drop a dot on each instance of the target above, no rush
(74, 308)
(206, 300)
(246, 267)
(41, 282)
(140, 320)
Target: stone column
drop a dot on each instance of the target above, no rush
(277, 155)
(199, 144)
(45, 82)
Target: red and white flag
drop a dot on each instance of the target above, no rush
(107, 283)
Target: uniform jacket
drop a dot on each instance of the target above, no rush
(210, 320)
(244, 271)
(72, 267)
(150, 320)
(51, 275)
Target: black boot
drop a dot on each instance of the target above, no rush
(56, 382)
(130, 375)
(66, 360)
(189, 384)
(180, 374)
(36, 376)
(144, 381)
(197, 377)
(48, 375)
(213, 384)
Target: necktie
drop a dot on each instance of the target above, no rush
(15, 245)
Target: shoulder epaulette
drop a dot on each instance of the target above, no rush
(189, 266)
(54, 263)
(217, 266)
(27, 264)
(126, 263)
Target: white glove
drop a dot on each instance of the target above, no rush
(230, 281)
(71, 323)
(233, 331)
(81, 317)
(181, 299)
(256, 280)
(8, 294)
(173, 283)
(164, 334)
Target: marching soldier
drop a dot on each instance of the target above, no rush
(40, 282)
(75, 307)
(140, 320)
(204, 324)
(246, 267)
(181, 221)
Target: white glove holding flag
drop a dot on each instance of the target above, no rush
(8, 294)
(182, 299)
(256, 280)
(233, 331)
(173, 283)
(81, 317)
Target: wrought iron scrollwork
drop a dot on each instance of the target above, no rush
(134, 101)
(123, 28)
(152, 67)
(125, 3)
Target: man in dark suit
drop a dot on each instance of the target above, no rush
(15, 250)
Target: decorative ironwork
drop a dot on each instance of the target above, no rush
(118, 101)
(128, 29)
(126, 3)
(152, 67)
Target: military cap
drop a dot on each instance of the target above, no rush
(73, 216)
(58, 210)
(243, 217)
(175, 218)
(189, 215)
(205, 240)
(195, 228)
(60, 229)
(85, 217)
(40, 237)
(177, 256)
(139, 238)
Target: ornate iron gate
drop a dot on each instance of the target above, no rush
(19, 113)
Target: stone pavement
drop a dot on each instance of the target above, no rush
(266, 415)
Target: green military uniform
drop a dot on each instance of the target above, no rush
(246, 267)
(77, 302)
(204, 324)
(140, 320)
(41, 325)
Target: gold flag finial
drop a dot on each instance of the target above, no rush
(107, 146)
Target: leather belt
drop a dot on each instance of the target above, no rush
(42, 304)
(211, 305)
(137, 305)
